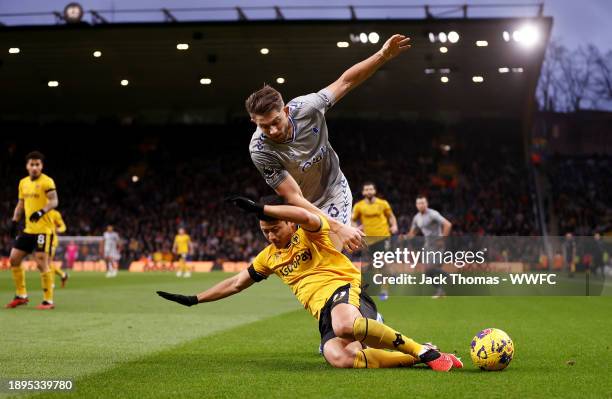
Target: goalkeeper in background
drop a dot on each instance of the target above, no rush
(182, 248)
(60, 227)
(328, 286)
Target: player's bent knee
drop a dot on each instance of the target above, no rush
(343, 328)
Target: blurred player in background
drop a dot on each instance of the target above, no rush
(112, 252)
(37, 196)
(291, 148)
(60, 227)
(72, 253)
(327, 284)
(432, 225)
(182, 248)
(377, 220)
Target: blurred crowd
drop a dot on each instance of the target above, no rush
(149, 182)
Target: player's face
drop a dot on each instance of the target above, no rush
(34, 167)
(421, 204)
(368, 191)
(274, 124)
(277, 232)
(181, 231)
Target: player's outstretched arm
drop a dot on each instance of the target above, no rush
(225, 288)
(358, 73)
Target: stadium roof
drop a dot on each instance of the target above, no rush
(163, 80)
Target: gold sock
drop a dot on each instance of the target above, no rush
(183, 265)
(372, 358)
(378, 335)
(46, 280)
(19, 280)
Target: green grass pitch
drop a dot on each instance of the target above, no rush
(117, 339)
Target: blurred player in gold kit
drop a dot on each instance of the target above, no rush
(182, 248)
(37, 196)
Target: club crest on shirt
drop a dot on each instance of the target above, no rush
(295, 240)
(315, 130)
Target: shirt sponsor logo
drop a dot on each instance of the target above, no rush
(303, 256)
(314, 160)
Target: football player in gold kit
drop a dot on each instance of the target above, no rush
(37, 196)
(182, 248)
(328, 285)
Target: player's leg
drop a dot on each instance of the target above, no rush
(41, 256)
(348, 323)
(185, 267)
(15, 258)
(179, 266)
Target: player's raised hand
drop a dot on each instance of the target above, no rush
(182, 299)
(350, 237)
(395, 45)
(246, 204)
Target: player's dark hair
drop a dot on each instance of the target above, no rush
(271, 200)
(264, 100)
(421, 197)
(368, 183)
(37, 155)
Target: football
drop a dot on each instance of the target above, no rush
(491, 349)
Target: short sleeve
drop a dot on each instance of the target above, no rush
(435, 215)
(387, 209)
(49, 185)
(258, 270)
(322, 231)
(321, 100)
(20, 195)
(270, 168)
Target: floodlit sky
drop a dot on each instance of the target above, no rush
(575, 21)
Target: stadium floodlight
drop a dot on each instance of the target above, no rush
(342, 44)
(443, 50)
(182, 46)
(125, 82)
(432, 37)
(444, 79)
(477, 79)
(135, 179)
(444, 70)
(482, 43)
(205, 81)
(264, 51)
(363, 37)
(429, 71)
(53, 83)
(280, 80)
(373, 37)
(506, 36)
(73, 13)
(453, 37)
(442, 37)
(504, 70)
(517, 70)
(97, 54)
(528, 35)
(14, 50)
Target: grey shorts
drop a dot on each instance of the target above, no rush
(340, 205)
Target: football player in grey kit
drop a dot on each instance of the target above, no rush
(433, 226)
(291, 148)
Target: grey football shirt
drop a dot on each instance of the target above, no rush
(307, 156)
(429, 223)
